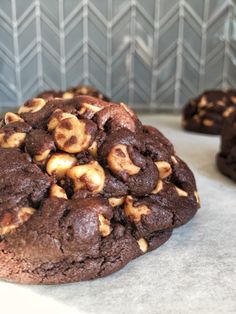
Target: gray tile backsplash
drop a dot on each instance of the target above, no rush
(153, 54)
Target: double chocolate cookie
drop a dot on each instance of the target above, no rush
(72, 92)
(204, 114)
(226, 158)
(84, 189)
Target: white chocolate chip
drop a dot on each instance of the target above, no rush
(104, 226)
(57, 191)
(90, 176)
(116, 201)
(181, 192)
(119, 161)
(135, 212)
(143, 245)
(32, 105)
(12, 117)
(59, 163)
(164, 169)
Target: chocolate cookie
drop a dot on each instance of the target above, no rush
(204, 114)
(73, 92)
(84, 189)
(226, 158)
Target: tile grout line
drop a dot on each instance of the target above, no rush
(109, 50)
(85, 41)
(39, 44)
(179, 55)
(203, 46)
(62, 43)
(226, 48)
(155, 51)
(16, 52)
(132, 52)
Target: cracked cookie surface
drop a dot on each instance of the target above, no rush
(85, 188)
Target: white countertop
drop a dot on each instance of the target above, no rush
(194, 272)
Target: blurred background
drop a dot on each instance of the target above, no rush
(152, 54)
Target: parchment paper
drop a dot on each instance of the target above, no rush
(194, 272)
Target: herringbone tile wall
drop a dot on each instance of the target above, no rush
(153, 54)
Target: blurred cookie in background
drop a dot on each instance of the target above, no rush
(226, 158)
(72, 92)
(204, 114)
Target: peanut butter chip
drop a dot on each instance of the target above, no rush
(208, 122)
(43, 156)
(93, 149)
(197, 197)
(158, 187)
(233, 99)
(181, 192)
(119, 161)
(116, 201)
(164, 169)
(7, 224)
(104, 226)
(71, 136)
(13, 141)
(59, 163)
(58, 115)
(91, 109)
(221, 102)
(203, 101)
(12, 117)
(135, 212)
(90, 176)
(57, 191)
(67, 95)
(83, 90)
(143, 245)
(32, 105)
(174, 159)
